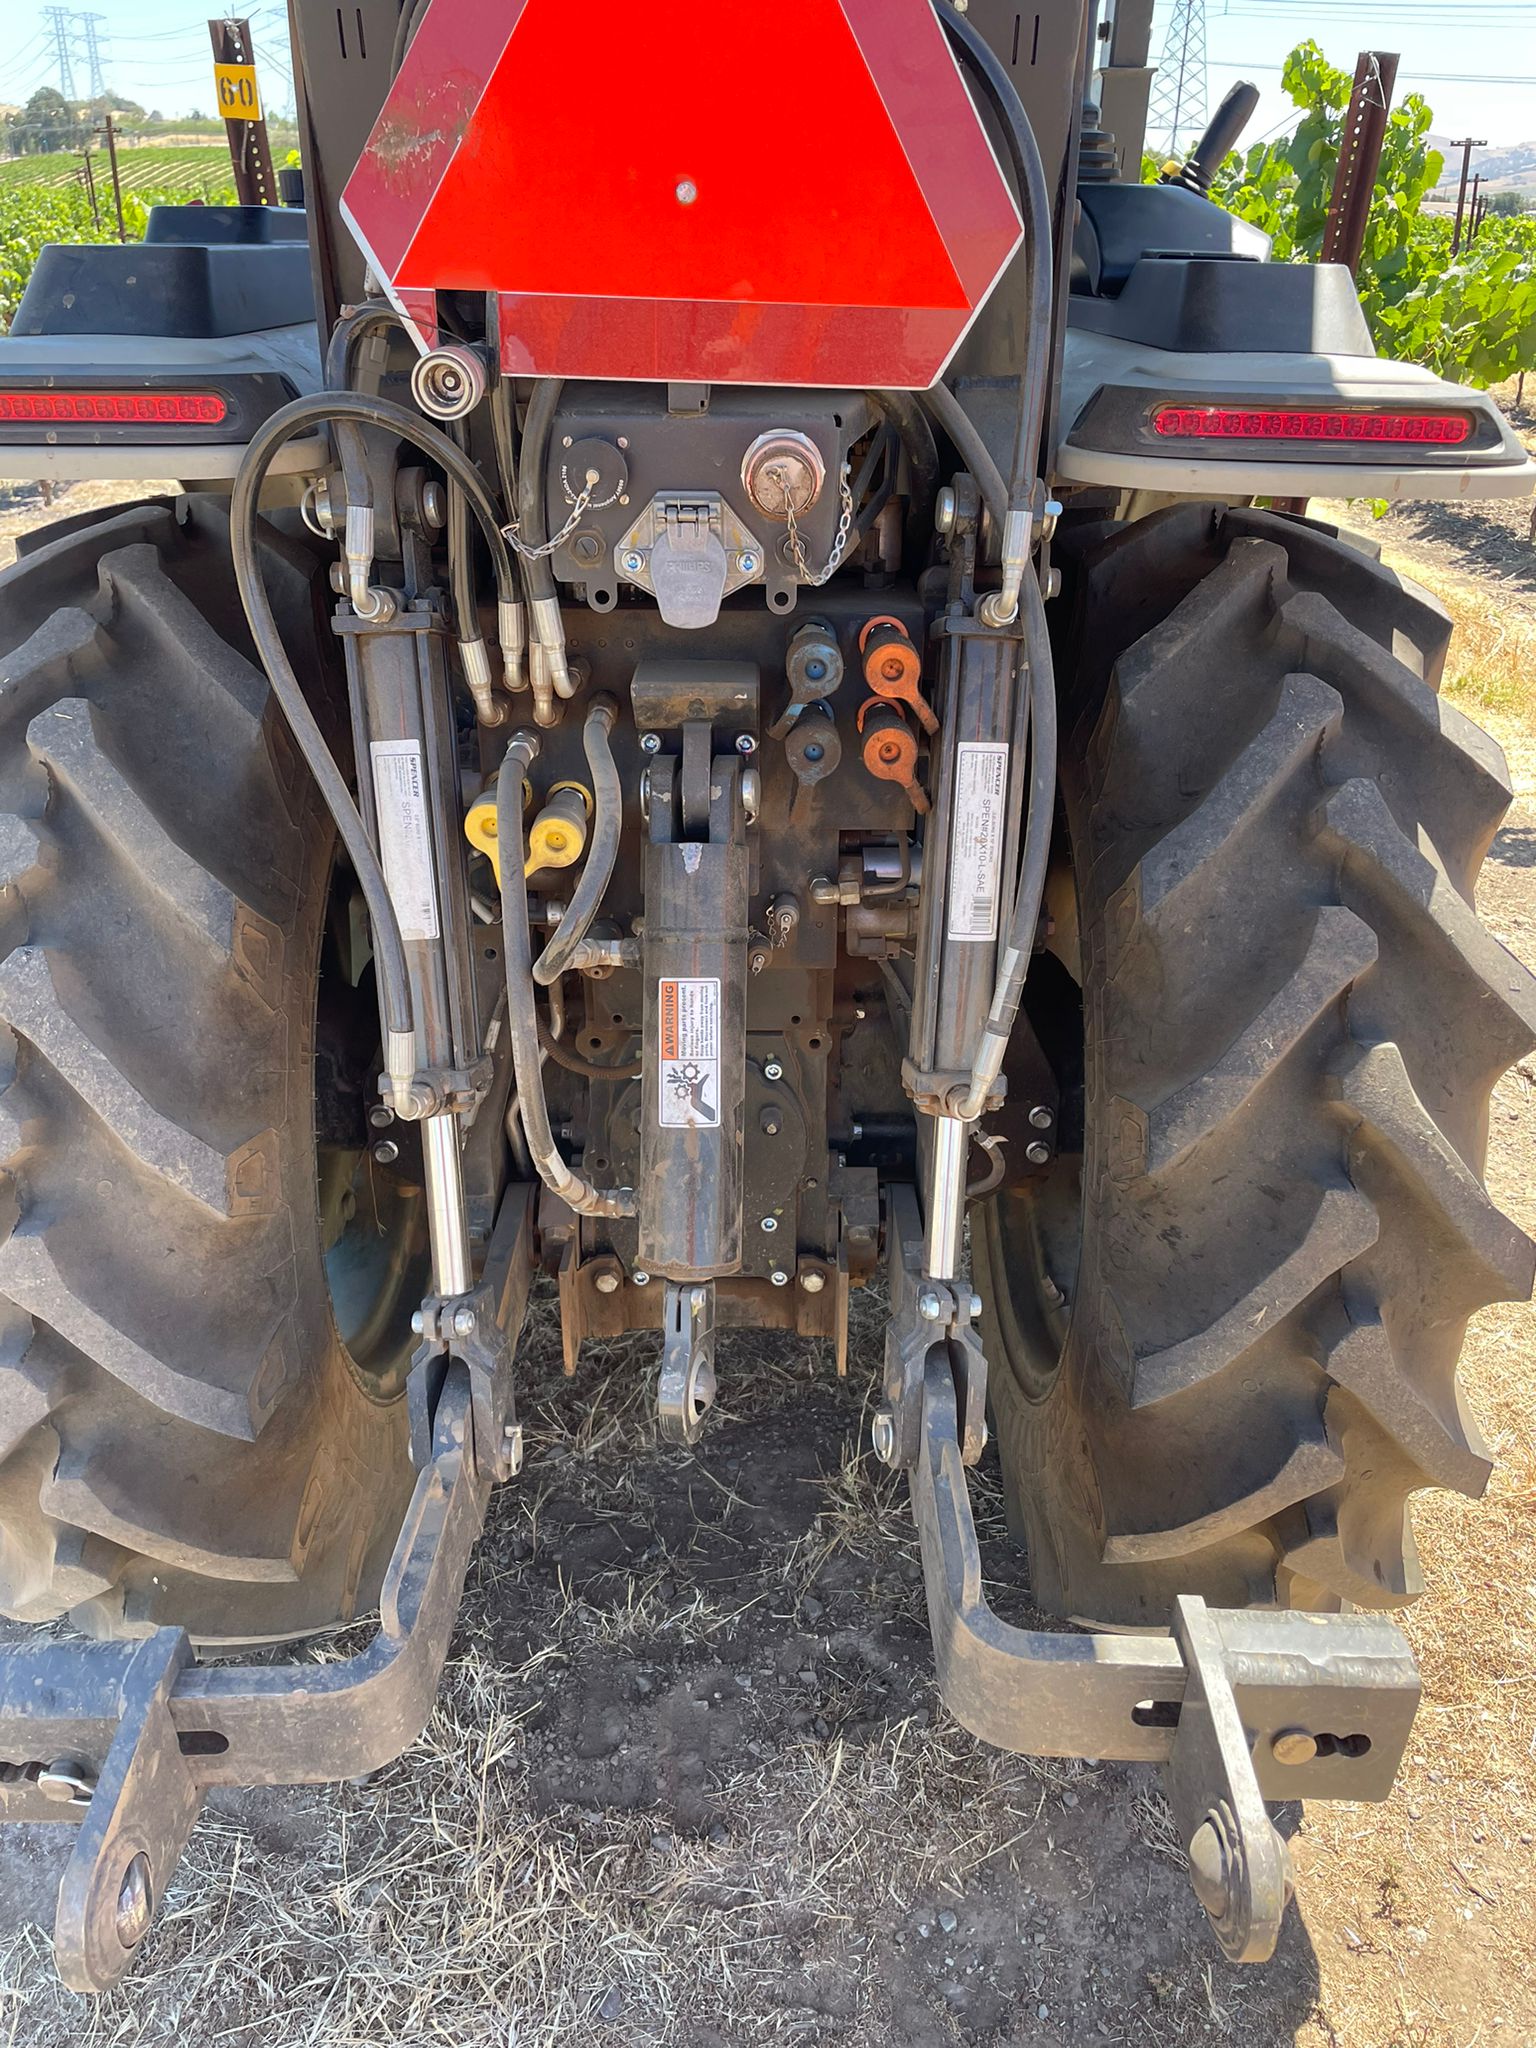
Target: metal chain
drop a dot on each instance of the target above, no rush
(797, 545)
(579, 503)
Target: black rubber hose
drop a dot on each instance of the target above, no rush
(911, 423)
(504, 437)
(602, 847)
(532, 529)
(1002, 96)
(590, 1070)
(522, 1015)
(389, 949)
(952, 416)
(365, 411)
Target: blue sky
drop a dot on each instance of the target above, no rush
(1474, 61)
(156, 51)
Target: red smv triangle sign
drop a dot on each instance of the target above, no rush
(798, 193)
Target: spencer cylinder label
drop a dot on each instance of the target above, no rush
(689, 1094)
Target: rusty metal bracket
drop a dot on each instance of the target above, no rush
(138, 1733)
(1239, 1707)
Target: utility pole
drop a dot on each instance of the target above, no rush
(117, 182)
(234, 78)
(1178, 91)
(1466, 145)
(87, 24)
(61, 21)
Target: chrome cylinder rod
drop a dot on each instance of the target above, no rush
(945, 1209)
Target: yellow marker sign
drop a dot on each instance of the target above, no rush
(236, 87)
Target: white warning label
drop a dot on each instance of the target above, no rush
(689, 1096)
(976, 856)
(405, 835)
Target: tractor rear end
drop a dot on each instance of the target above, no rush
(730, 724)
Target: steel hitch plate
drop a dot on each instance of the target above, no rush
(1240, 1707)
(126, 1738)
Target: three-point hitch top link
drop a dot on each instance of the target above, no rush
(1240, 1708)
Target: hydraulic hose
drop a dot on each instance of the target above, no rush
(974, 452)
(389, 949)
(1019, 939)
(1002, 607)
(602, 847)
(512, 629)
(522, 1015)
(551, 675)
(474, 655)
(907, 417)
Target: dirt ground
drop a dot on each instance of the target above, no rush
(689, 1781)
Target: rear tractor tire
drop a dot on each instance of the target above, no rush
(1224, 1322)
(185, 1434)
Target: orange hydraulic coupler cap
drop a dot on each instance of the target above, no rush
(893, 667)
(889, 747)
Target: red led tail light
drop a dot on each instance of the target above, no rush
(111, 408)
(1297, 423)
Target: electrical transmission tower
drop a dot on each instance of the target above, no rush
(87, 24)
(61, 21)
(1178, 91)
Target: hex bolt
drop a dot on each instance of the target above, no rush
(386, 1151)
(812, 1280)
(640, 1279)
(769, 1223)
(975, 1307)
(464, 1320)
(1041, 1117)
(381, 1117)
(773, 1071)
(1293, 1746)
(930, 1304)
(419, 1323)
(632, 562)
(135, 1903)
(607, 1282)
(779, 1277)
(770, 1122)
(745, 744)
(650, 743)
(1036, 1152)
(944, 510)
(687, 191)
(882, 1435)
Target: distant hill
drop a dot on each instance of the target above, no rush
(1508, 166)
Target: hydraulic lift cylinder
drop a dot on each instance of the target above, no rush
(695, 967)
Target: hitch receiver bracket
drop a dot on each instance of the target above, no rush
(1240, 1707)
